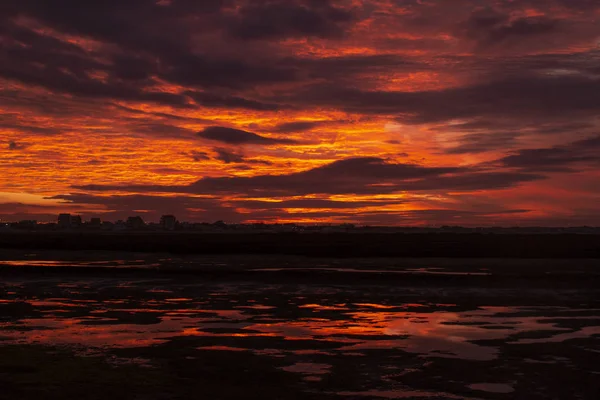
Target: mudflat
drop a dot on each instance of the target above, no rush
(162, 326)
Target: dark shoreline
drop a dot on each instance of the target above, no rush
(338, 245)
(526, 282)
(523, 273)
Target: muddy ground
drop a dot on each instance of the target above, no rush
(441, 330)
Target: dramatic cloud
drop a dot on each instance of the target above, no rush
(490, 28)
(291, 18)
(234, 158)
(300, 126)
(207, 99)
(558, 158)
(199, 156)
(12, 145)
(387, 111)
(476, 143)
(520, 98)
(238, 136)
(350, 176)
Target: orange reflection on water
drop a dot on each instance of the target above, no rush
(323, 307)
(104, 333)
(371, 305)
(221, 348)
(357, 327)
(53, 303)
(443, 334)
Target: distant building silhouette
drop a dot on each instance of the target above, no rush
(76, 221)
(26, 224)
(168, 222)
(135, 223)
(64, 221)
(119, 226)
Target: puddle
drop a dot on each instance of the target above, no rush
(221, 348)
(492, 387)
(583, 333)
(311, 371)
(82, 264)
(412, 271)
(400, 394)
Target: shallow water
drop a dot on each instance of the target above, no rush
(360, 341)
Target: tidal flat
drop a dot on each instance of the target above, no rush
(125, 326)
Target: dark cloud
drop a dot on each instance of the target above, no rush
(27, 128)
(580, 5)
(238, 137)
(206, 99)
(42, 60)
(199, 155)
(284, 19)
(143, 41)
(495, 135)
(478, 143)
(350, 176)
(159, 129)
(233, 73)
(132, 68)
(355, 70)
(29, 46)
(12, 145)
(524, 98)
(147, 42)
(523, 27)
(171, 118)
(569, 62)
(570, 128)
(153, 42)
(65, 80)
(559, 158)
(229, 157)
(114, 21)
(300, 126)
(490, 28)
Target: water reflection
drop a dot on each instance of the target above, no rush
(79, 263)
(355, 326)
(310, 370)
(492, 387)
(411, 271)
(313, 332)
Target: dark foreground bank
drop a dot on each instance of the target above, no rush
(338, 245)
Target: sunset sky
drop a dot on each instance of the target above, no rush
(379, 112)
